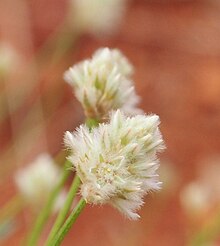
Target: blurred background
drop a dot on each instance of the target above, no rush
(174, 46)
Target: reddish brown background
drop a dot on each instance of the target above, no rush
(175, 48)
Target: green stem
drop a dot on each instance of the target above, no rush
(64, 211)
(68, 224)
(45, 213)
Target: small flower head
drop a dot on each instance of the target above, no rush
(117, 162)
(103, 83)
(37, 179)
(95, 16)
(195, 198)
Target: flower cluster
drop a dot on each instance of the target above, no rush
(37, 180)
(117, 162)
(104, 83)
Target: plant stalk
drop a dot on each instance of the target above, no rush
(64, 211)
(68, 224)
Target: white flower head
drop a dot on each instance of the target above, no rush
(37, 179)
(117, 162)
(103, 84)
(96, 16)
(195, 198)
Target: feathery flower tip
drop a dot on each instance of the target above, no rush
(112, 56)
(103, 83)
(117, 162)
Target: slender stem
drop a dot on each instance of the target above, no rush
(68, 224)
(64, 211)
(45, 213)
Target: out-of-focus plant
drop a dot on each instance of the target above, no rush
(34, 184)
(201, 198)
(36, 180)
(96, 17)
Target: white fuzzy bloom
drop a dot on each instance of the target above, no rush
(194, 198)
(117, 162)
(36, 180)
(96, 16)
(103, 83)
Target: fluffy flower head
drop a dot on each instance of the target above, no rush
(103, 83)
(117, 162)
(37, 179)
